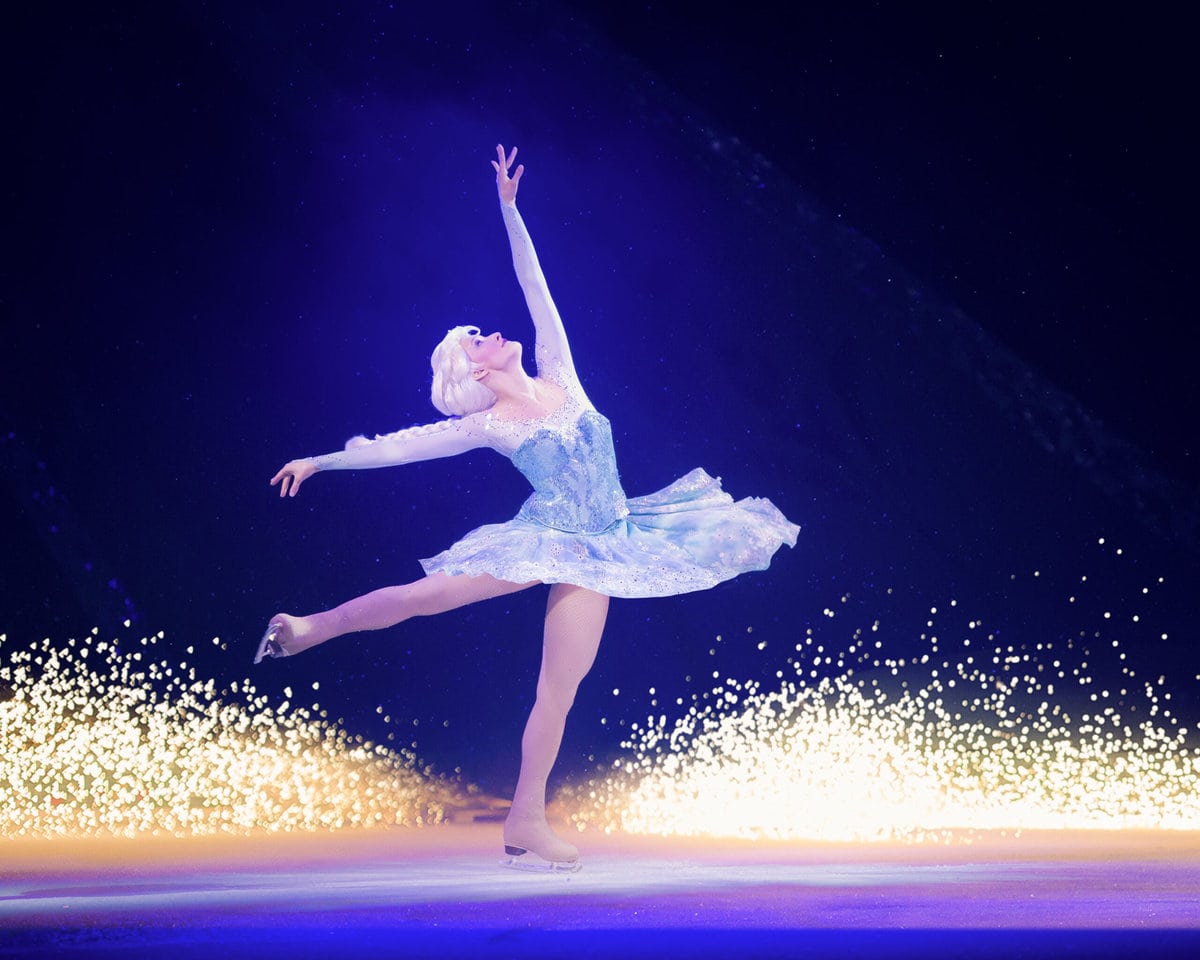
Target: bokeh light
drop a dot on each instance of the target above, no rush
(968, 730)
(121, 738)
(880, 721)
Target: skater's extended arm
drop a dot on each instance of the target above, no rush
(551, 347)
(443, 439)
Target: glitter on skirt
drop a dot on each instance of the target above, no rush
(578, 527)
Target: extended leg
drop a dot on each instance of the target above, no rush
(387, 607)
(574, 622)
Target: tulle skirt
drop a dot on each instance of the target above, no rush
(688, 536)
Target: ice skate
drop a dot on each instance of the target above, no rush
(269, 645)
(535, 848)
(519, 859)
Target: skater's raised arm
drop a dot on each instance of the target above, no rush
(445, 438)
(551, 346)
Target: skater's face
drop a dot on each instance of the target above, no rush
(491, 352)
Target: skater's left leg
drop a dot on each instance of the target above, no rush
(386, 607)
(574, 622)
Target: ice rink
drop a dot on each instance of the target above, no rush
(440, 892)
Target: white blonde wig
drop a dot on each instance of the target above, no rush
(455, 392)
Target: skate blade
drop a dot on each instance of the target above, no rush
(525, 864)
(269, 645)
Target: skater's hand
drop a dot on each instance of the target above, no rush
(507, 186)
(292, 475)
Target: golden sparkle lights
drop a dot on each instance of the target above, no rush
(850, 745)
(100, 740)
(845, 742)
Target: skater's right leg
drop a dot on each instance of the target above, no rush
(575, 620)
(388, 606)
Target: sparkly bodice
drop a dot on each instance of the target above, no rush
(568, 458)
(573, 472)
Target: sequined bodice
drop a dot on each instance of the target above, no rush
(573, 471)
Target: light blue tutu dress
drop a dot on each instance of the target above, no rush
(578, 526)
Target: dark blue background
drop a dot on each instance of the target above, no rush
(920, 280)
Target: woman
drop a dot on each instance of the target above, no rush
(577, 532)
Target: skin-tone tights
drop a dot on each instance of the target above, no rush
(575, 620)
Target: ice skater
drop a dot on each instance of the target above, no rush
(577, 532)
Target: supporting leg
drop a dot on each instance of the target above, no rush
(386, 607)
(574, 622)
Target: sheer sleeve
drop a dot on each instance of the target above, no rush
(446, 438)
(552, 353)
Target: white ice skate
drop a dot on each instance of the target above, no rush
(269, 645)
(518, 858)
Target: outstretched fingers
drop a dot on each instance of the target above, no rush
(506, 184)
(505, 162)
(284, 479)
(291, 475)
